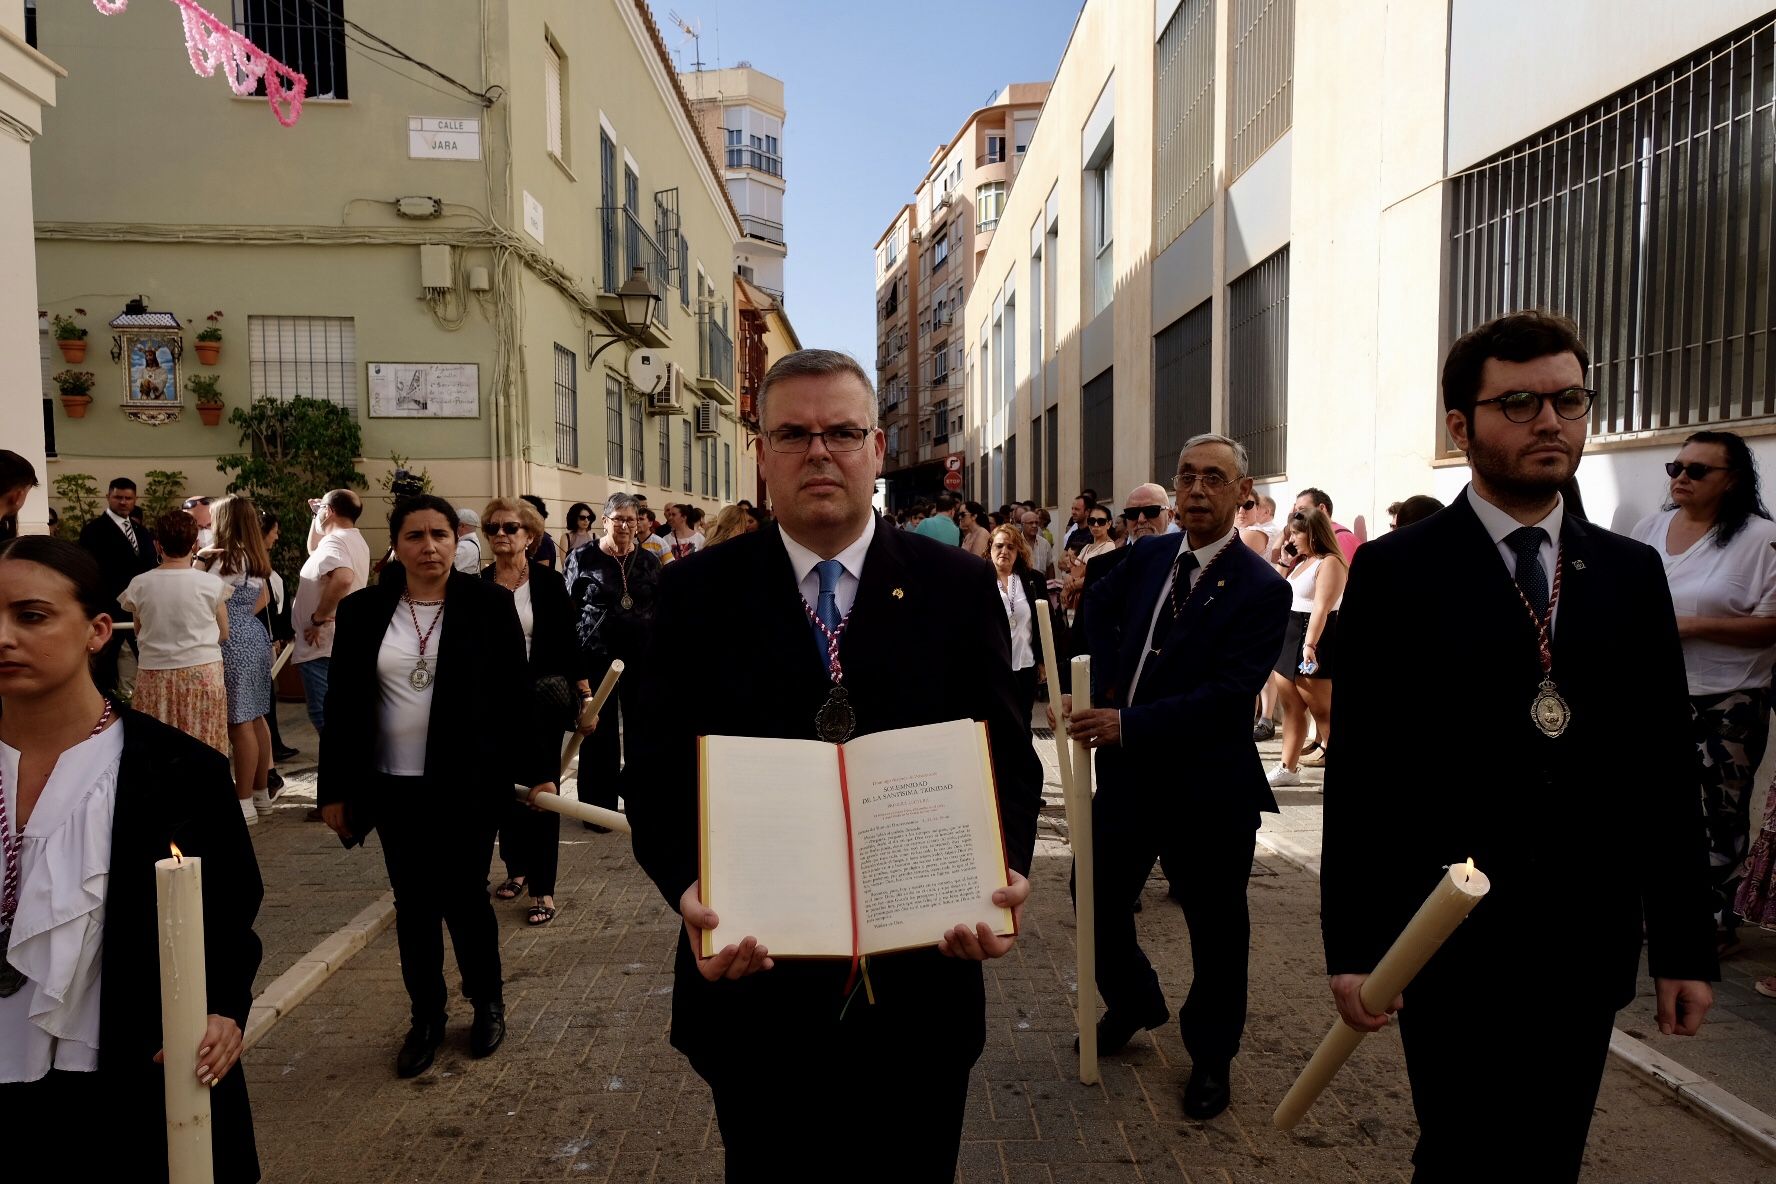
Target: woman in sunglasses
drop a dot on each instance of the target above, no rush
(1097, 521)
(530, 839)
(1719, 549)
(579, 532)
(971, 520)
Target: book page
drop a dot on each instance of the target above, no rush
(774, 854)
(925, 834)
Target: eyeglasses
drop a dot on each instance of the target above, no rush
(582, 517)
(1695, 470)
(1248, 506)
(624, 522)
(494, 528)
(801, 439)
(1210, 481)
(1524, 406)
(1100, 521)
(1148, 512)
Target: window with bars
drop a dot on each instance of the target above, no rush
(1051, 437)
(727, 471)
(637, 448)
(311, 357)
(1258, 363)
(1184, 79)
(554, 98)
(688, 487)
(665, 450)
(707, 460)
(308, 37)
(607, 180)
(1182, 375)
(1097, 432)
(567, 408)
(613, 425)
(1262, 92)
(1649, 219)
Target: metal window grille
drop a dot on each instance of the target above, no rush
(1097, 432)
(567, 408)
(708, 466)
(1649, 219)
(727, 471)
(1263, 69)
(1011, 468)
(311, 357)
(308, 36)
(607, 163)
(552, 97)
(1182, 374)
(613, 425)
(666, 450)
(1184, 73)
(688, 487)
(684, 271)
(1037, 457)
(1258, 363)
(637, 449)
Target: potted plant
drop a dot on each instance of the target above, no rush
(76, 388)
(70, 337)
(209, 340)
(207, 397)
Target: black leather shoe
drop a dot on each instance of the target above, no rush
(420, 1047)
(1115, 1030)
(488, 1030)
(285, 754)
(1207, 1092)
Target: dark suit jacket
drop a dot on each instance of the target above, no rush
(1096, 568)
(927, 642)
(553, 648)
(1584, 837)
(479, 676)
(174, 789)
(119, 563)
(1192, 708)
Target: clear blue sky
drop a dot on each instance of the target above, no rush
(870, 90)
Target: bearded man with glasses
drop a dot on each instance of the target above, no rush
(1551, 643)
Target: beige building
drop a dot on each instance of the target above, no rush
(925, 270)
(437, 246)
(1270, 218)
(740, 113)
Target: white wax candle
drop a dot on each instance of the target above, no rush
(1078, 793)
(184, 1014)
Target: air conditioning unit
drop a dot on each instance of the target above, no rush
(669, 399)
(917, 235)
(708, 418)
(944, 201)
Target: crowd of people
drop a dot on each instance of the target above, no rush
(1210, 623)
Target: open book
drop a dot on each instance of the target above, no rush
(835, 850)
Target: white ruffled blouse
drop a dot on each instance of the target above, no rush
(52, 1022)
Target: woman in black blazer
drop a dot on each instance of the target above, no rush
(530, 839)
(416, 747)
(1020, 587)
(151, 786)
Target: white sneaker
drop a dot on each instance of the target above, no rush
(1283, 775)
(247, 812)
(262, 802)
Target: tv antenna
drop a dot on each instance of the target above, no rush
(693, 31)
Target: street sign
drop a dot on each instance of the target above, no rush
(443, 139)
(953, 481)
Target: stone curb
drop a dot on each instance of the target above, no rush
(1746, 1122)
(283, 993)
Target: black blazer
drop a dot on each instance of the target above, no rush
(1586, 837)
(119, 563)
(553, 648)
(1188, 727)
(927, 642)
(1035, 588)
(174, 789)
(480, 675)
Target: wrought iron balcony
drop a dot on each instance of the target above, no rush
(762, 228)
(715, 359)
(627, 245)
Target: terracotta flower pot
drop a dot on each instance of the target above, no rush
(207, 351)
(211, 416)
(73, 348)
(75, 405)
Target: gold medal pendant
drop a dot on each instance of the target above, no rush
(421, 676)
(1549, 711)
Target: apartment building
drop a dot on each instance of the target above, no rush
(1270, 218)
(438, 245)
(925, 269)
(740, 113)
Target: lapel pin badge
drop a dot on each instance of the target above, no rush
(1221, 584)
(899, 594)
(1578, 565)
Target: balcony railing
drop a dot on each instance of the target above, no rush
(985, 224)
(627, 242)
(752, 158)
(763, 228)
(987, 158)
(715, 353)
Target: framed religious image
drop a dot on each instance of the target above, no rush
(152, 392)
(425, 390)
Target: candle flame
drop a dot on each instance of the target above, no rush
(179, 855)
(1470, 875)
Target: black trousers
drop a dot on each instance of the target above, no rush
(1211, 857)
(1484, 1112)
(437, 841)
(1026, 691)
(601, 754)
(530, 846)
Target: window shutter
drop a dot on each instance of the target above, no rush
(552, 96)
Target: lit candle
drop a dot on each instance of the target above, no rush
(1078, 791)
(184, 1015)
(1449, 903)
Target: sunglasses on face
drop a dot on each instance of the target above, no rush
(1148, 512)
(1695, 470)
(1097, 522)
(582, 517)
(1248, 506)
(494, 528)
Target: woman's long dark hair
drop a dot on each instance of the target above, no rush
(1743, 498)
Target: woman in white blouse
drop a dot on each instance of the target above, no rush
(1019, 589)
(90, 797)
(181, 616)
(1719, 549)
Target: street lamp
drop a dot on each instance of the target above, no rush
(638, 298)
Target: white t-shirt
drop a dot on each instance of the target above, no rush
(526, 614)
(677, 548)
(1017, 615)
(1738, 580)
(335, 549)
(468, 554)
(175, 610)
(405, 714)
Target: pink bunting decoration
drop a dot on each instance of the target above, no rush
(211, 45)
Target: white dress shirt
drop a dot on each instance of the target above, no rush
(1499, 526)
(1204, 557)
(803, 560)
(125, 525)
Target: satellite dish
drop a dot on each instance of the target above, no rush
(647, 370)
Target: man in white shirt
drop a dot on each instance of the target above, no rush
(468, 547)
(1041, 550)
(338, 564)
(199, 509)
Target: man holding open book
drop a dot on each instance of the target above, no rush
(843, 806)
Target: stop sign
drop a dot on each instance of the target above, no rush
(953, 481)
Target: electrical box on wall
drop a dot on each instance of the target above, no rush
(479, 279)
(434, 267)
(419, 207)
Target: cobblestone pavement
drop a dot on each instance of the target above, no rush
(587, 1088)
